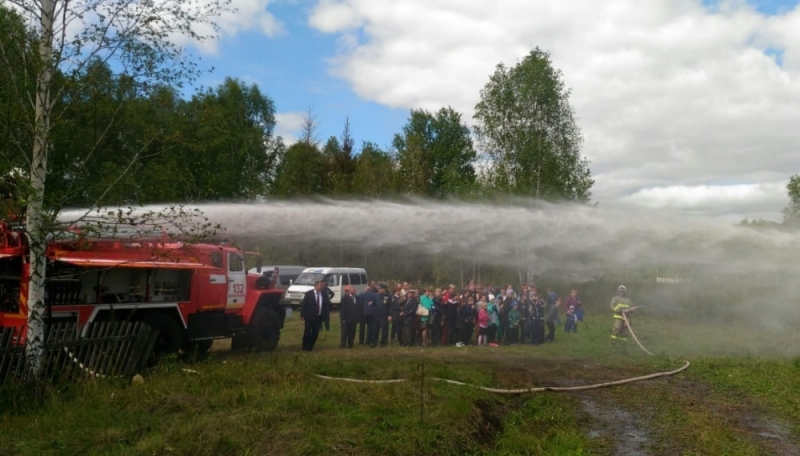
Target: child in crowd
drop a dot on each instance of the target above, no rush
(483, 323)
(571, 324)
(493, 309)
(513, 325)
(466, 321)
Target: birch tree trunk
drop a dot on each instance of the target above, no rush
(37, 236)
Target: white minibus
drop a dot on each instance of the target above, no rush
(337, 279)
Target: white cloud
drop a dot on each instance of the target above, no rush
(288, 124)
(244, 16)
(338, 16)
(709, 199)
(672, 96)
(241, 16)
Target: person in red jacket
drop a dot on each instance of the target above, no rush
(483, 323)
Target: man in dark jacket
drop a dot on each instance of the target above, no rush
(551, 314)
(368, 300)
(466, 321)
(314, 309)
(451, 319)
(394, 316)
(350, 309)
(380, 326)
(524, 304)
(327, 322)
(537, 319)
(342, 321)
(409, 316)
(436, 318)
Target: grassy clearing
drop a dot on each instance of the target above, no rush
(271, 403)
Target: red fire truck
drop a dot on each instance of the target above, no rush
(191, 293)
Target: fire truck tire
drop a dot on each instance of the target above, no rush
(264, 330)
(196, 348)
(170, 333)
(238, 342)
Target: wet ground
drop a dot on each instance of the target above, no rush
(657, 417)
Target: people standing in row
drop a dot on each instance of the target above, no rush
(448, 317)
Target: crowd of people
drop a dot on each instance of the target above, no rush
(484, 316)
(476, 315)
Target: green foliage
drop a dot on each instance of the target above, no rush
(119, 145)
(340, 162)
(17, 69)
(129, 138)
(374, 175)
(791, 213)
(435, 154)
(231, 152)
(527, 128)
(302, 171)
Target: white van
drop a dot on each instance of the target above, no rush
(337, 278)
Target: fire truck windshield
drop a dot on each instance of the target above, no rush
(308, 278)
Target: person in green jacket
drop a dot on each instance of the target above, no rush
(427, 302)
(622, 306)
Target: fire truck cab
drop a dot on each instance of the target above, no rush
(13, 311)
(191, 293)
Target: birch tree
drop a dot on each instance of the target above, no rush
(527, 130)
(141, 38)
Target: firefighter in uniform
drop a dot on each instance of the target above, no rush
(621, 305)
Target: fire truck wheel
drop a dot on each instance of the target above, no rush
(264, 330)
(238, 342)
(169, 333)
(196, 349)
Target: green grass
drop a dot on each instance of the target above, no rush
(272, 404)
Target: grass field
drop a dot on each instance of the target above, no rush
(738, 397)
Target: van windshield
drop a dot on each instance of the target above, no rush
(308, 278)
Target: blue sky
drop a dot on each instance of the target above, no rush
(683, 104)
(292, 68)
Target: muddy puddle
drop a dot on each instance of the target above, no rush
(629, 435)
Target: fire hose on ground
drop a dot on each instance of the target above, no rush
(561, 389)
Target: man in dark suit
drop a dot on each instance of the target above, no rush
(368, 300)
(381, 323)
(327, 290)
(350, 309)
(314, 309)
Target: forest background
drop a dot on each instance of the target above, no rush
(120, 139)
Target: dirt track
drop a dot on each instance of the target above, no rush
(653, 417)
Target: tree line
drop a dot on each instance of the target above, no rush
(117, 141)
